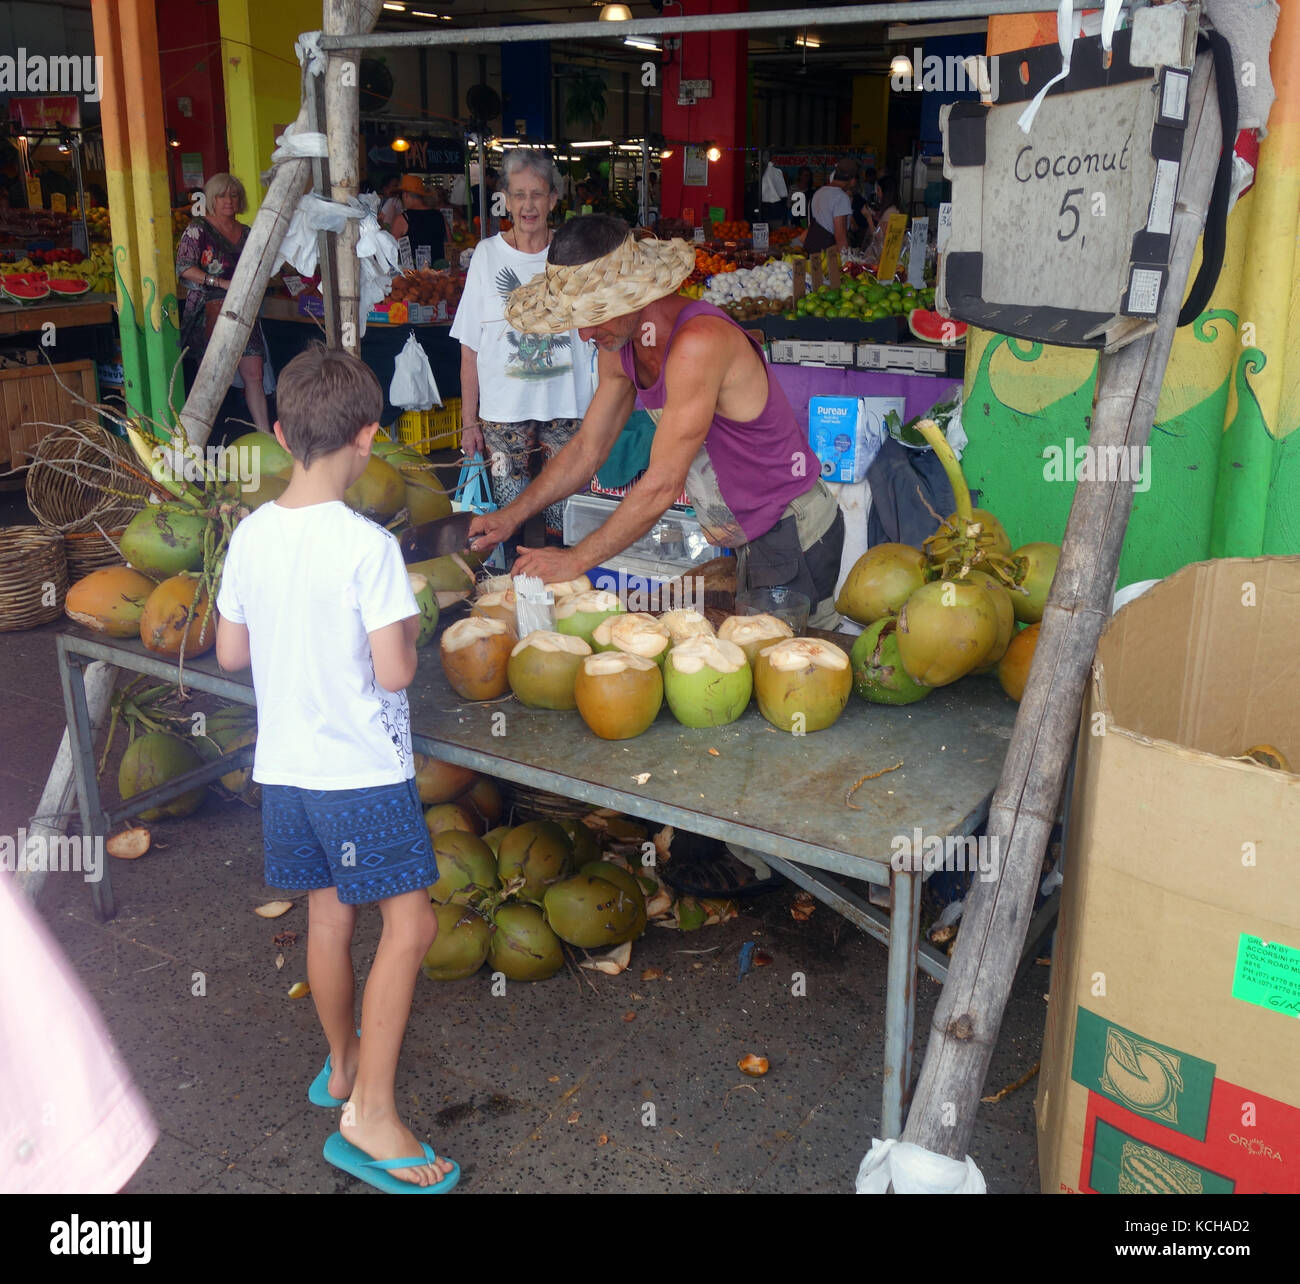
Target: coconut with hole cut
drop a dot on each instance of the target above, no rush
(619, 695)
(751, 633)
(498, 606)
(580, 614)
(475, 653)
(685, 623)
(707, 682)
(569, 588)
(635, 633)
(802, 684)
(542, 669)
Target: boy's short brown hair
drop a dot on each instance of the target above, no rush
(324, 397)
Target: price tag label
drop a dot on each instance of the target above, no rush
(404, 254)
(760, 234)
(58, 203)
(293, 284)
(699, 236)
(892, 248)
(423, 257)
(920, 244)
(944, 230)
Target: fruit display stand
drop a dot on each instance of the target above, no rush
(790, 798)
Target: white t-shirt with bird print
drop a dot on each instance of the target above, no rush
(520, 376)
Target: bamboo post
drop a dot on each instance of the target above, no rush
(969, 1014)
(342, 128)
(248, 285)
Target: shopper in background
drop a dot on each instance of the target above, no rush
(523, 396)
(390, 199)
(862, 223)
(419, 223)
(803, 186)
(886, 206)
(205, 260)
(774, 196)
(831, 210)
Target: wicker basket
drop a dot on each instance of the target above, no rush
(84, 479)
(31, 561)
(537, 804)
(91, 551)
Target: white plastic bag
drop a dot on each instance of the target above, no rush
(913, 1170)
(413, 386)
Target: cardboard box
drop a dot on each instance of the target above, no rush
(795, 352)
(1171, 1059)
(845, 433)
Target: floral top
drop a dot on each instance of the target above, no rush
(202, 246)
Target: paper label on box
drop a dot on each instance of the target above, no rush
(1160, 218)
(1152, 1080)
(1268, 975)
(1144, 292)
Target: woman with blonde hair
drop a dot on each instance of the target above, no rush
(205, 260)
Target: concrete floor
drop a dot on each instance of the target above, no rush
(541, 1089)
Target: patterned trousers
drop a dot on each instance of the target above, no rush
(517, 452)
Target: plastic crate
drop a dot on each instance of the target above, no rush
(426, 430)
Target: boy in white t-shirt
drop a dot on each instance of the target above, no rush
(317, 599)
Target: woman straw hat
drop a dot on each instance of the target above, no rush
(625, 280)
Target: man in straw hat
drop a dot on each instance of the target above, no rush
(724, 431)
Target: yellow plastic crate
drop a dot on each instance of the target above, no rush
(426, 430)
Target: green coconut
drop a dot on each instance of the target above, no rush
(539, 852)
(802, 684)
(424, 498)
(878, 673)
(626, 881)
(542, 669)
(583, 841)
(493, 838)
(428, 605)
(451, 577)
(1001, 597)
(449, 816)
(580, 614)
(268, 486)
(151, 760)
(261, 455)
(945, 630)
(463, 861)
(163, 541)
(634, 633)
(619, 695)
(751, 633)
(881, 580)
(378, 493)
(1036, 565)
(228, 738)
(523, 947)
(441, 782)
(484, 799)
(462, 944)
(707, 682)
(592, 912)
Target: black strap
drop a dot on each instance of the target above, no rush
(1215, 235)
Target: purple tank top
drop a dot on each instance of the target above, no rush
(745, 473)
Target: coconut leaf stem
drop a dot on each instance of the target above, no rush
(951, 466)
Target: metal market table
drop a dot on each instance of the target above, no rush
(782, 796)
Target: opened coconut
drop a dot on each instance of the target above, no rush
(751, 633)
(685, 623)
(461, 946)
(153, 759)
(464, 861)
(428, 605)
(634, 633)
(163, 541)
(499, 605)
(881, 580)
(539, 852)
(619, 695)
(580, 614)
(378, 493)
(592, 912)
(569, 588)
(523, 947)
(110, 601)
(878, 673)
(543, 667)
(945, 630)
(440, 782)
(163, 625)
(802, 684)
(707, 682)
(475, 656)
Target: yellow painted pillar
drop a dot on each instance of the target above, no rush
(262, 80)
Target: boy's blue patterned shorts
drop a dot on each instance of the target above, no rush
(369, 843)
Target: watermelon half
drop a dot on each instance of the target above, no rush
(25, 287)
(933, 328)
(68, 284)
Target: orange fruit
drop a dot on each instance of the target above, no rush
(1013, 668)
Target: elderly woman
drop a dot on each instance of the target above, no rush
(205, 260)
(523, 396)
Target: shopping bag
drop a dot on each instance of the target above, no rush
(413, 386)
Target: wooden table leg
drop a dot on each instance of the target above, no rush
(900, 999)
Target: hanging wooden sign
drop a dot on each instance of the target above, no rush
(1061, 234)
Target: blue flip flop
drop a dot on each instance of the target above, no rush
(340, 1152)
(319, 1094)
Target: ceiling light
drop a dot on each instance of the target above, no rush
(900, 65)
(666, 154)
(64, 148)
(713, 154)
(616, 13)
(808, 42)
(396, 8)
(641, 42)
(400, 145)
(599, 142)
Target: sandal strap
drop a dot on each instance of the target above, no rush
(412, 1162)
